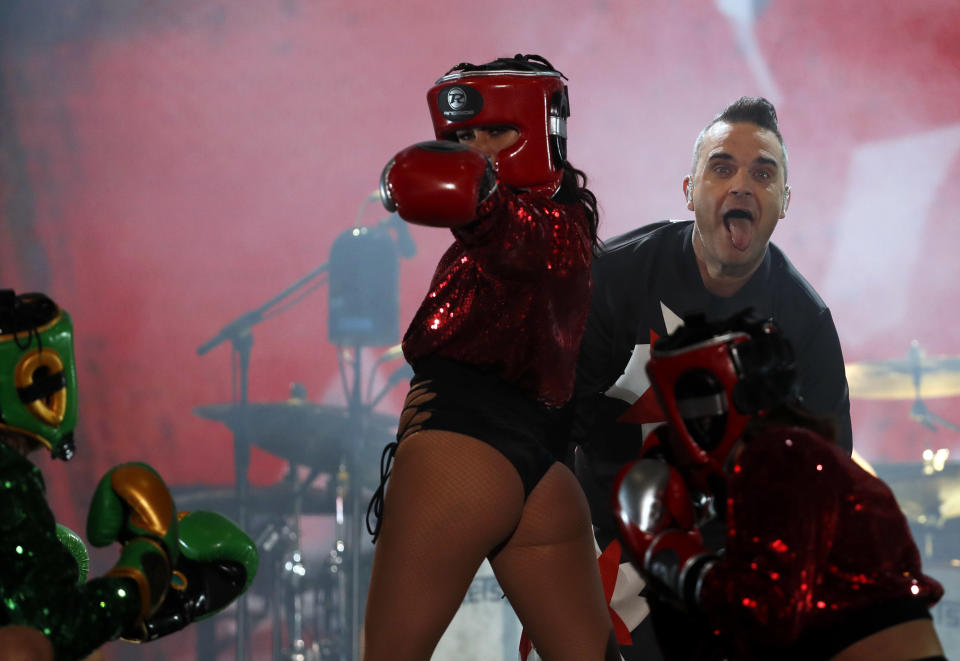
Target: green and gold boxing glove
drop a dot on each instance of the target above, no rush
(216, 564)
(132, 506)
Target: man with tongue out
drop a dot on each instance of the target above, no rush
(737, 191)
(646, 281)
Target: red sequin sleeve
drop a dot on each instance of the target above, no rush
(511, 294)
(811, 538)
(522, 235)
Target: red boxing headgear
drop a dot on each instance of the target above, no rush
(523, 92)
(712, 379)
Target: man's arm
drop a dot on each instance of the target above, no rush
(604, 352)
(823, 381)
(614, 323)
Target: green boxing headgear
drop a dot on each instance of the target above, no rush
(38, 378)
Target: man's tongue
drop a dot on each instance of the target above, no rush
(740, 226)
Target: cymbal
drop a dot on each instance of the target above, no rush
(305, 433)
(276, 498)
(911, 378)
(924, 498)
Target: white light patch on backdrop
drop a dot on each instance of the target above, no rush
(742, 15)
(892, 186)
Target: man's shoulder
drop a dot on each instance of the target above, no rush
(633, 264)
(640, 250)
(791, 287)
(643, 238)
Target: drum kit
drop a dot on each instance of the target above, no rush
(333, 453)
(928, 491)
(309, 600)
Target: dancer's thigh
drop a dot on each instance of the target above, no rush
(450, 500)
(549, 572)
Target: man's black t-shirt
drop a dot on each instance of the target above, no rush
(645, 283)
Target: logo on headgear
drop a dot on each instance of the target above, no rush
(459, 103)
(456, 98)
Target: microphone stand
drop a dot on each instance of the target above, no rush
(356, 413)
(919, 410)
(929, 419)
(238, 332)
(351, 338)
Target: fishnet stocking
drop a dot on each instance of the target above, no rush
(549, 572)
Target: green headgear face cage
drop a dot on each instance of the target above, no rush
(38, 379)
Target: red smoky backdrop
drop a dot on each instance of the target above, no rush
(166, 167)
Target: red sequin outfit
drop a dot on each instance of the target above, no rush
(818, 553)
(511, 294)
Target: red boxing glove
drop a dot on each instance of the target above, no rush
(437, 183)
(651, 496)
(655, 518)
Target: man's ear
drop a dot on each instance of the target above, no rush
(786, 201)
(688, 191)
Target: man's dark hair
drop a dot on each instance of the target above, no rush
(751, 109)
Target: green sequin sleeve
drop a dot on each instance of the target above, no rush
(39, 576)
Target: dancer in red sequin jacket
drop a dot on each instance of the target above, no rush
(814, 559)
(493, 347)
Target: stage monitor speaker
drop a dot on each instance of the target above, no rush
(364, 307)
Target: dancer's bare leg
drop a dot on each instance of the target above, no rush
(549, 572)
(449, 501)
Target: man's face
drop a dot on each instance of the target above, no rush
(738, 195)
